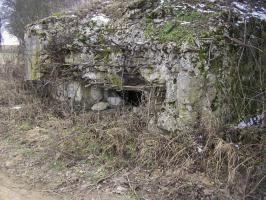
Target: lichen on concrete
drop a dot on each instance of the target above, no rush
(189, 50)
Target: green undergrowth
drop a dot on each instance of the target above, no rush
(25, 126)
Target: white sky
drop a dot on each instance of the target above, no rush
(9, 39)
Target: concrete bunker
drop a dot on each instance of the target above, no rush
(196, 68)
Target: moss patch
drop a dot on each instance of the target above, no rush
(169, 32)
(115, 80)
(183, 27)
(34, 67)
(191, 16)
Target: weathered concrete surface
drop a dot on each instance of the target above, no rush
(188, 51)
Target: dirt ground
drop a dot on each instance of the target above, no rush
(15, 189)
(29, 172)
(11, 189)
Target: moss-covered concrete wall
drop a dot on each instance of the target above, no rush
(33, 50)
(206, 60)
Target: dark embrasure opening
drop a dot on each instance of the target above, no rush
(132, 97)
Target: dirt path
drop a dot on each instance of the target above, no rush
(12, 190)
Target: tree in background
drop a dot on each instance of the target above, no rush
(18, 13)
(1, 38)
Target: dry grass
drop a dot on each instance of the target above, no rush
(60, 139)
(156, 150)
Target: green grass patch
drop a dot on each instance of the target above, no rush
(27, 152)
(57, 166)
(25, 126)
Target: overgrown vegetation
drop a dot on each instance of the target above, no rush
(211, 163)
(241, 78)
(56, 140)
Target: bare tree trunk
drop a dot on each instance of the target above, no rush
(1, 38)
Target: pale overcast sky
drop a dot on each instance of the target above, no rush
(9, 39)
